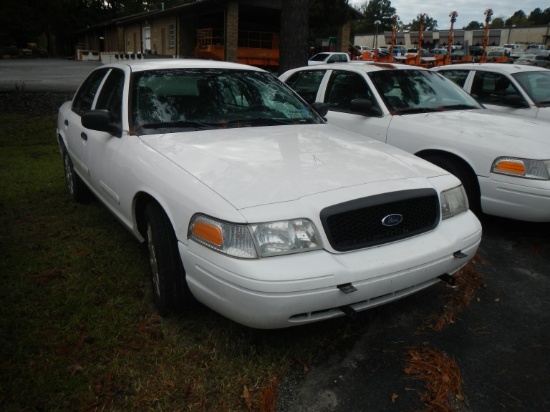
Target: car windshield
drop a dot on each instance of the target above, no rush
(175, 100)
(420, 91)
(537, 85)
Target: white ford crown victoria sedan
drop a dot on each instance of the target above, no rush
(503, 161)
(510, 88)
(250, 203)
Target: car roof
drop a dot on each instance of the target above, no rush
(158, 64)
(360, 66)
(327, 53)
(497, 67)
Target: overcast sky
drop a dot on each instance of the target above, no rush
(468, 10)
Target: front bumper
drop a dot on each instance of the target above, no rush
(515, 198)
(296, 289)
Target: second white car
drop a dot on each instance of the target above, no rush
(503, 161)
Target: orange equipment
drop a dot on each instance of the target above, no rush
(453, 15)
(488, 14)
(255, 48)
(418, 60)
(394, 19)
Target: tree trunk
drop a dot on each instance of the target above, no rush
(294, 33)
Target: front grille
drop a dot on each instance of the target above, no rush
(359, 223)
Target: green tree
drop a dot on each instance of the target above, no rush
(538, 17)
(375, 10)
(518, 19)
(328, 12)
(473, 25)
(429, 23)
(497, 23)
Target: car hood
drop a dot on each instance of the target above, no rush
(512, 135)
(263, 165)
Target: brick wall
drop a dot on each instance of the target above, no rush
(132, 38)
(164, 36)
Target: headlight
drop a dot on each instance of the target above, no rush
(453, 202)
(255, 240)
(526, 168)
(285, 236)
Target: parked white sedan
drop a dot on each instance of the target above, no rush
(250, 202)
(510, 88)
(503, 161)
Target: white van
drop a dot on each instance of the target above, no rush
(533, 48)
(509, 48)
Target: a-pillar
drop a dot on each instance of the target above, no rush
(231, 31)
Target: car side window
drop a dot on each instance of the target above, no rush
(85, 97)
(306, 83)
(343, 87)
(457, 76)
(494, 88)
(110, 97)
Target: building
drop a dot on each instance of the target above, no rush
(497, 37)
(244, 31)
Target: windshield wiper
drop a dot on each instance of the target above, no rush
(416, 110)
(263, 121)
(180, 124)
(459, 107)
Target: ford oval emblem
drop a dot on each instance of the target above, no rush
(392, 220)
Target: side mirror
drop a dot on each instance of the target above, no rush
(320, 108)
(365, 106)
(101, 121)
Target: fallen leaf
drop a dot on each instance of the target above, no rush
(247, 398)
(74, 369)
(304, 365)
(394, 397)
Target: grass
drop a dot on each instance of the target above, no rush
(77, 327)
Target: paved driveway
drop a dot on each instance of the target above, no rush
(500, 342)
(34, 75)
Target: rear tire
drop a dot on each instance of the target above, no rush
(464, 174)
(171, 294)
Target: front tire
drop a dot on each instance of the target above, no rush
(466, 176)
(78, 191)
(171, 294)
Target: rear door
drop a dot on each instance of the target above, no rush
(77, 138)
